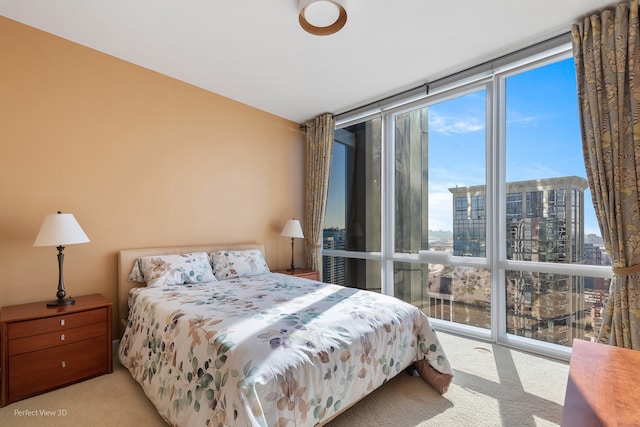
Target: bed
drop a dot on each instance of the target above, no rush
(257, 348)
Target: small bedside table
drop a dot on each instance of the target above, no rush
(44, 348)
(302, 272)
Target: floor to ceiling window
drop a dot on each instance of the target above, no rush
(353, 217)
(471, 202)
(440, 148)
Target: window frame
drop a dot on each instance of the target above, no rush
(493, 81)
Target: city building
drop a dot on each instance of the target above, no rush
(333, 268)
(544, 220)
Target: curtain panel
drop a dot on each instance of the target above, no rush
(318, 152)
(606, 49)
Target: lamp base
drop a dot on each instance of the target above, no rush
(293, 269)
(61, 302)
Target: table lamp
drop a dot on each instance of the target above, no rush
(59, 230)
(294, 230)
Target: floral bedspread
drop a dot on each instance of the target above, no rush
(268, 350)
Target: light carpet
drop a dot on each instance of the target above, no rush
(493, 386)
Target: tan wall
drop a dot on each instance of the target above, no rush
(139, 158)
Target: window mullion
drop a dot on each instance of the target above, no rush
(498, 154)
(388, 205)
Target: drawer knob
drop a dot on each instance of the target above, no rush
(61, 322)
(61, 337)
(64, 364)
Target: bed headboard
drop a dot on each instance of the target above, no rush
(127, 257)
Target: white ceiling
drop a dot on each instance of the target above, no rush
(255, 52)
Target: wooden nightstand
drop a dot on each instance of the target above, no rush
(302, 272)
(44, 348)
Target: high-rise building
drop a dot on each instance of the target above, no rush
(333, 268)
(544, 220)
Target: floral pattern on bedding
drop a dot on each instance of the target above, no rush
(233, 264)
(268, 350)
(177, 269)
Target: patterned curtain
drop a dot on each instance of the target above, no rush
(606, 51)
(318, 151)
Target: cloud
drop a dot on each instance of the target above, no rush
(449, 125)
(440, 210)
(516, 118)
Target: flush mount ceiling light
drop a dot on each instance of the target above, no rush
(322, 17)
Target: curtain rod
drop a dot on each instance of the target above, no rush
(422, 89)
(404, 97)
(303, 126)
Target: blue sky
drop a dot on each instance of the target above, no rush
(543, 141)
(336, 197)
(543, 137)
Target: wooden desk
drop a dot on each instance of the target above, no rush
(602, 389)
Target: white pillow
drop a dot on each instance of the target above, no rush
(177, 269)
(232, 264)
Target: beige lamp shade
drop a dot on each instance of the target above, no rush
(60, 229)
(293, 229)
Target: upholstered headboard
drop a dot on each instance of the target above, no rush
(127, 257)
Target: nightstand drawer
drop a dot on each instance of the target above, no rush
(55, 323)
(54, 339)
(39, 371)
